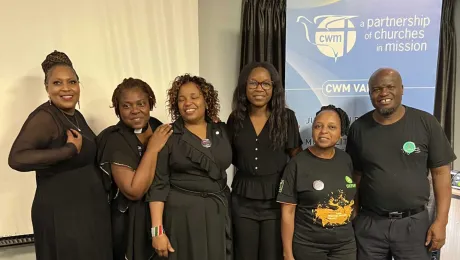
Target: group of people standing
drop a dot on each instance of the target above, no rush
(142, 189)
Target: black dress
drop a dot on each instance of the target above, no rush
(256, 214)
(192, 181)
(70, 211)
(119, 144)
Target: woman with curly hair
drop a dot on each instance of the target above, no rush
(264, 134)
(189, 195)
(70, 212)
(317, 195)
(127, 155)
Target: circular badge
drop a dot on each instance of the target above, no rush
(318, 185)
(206, 143)
(409, 147)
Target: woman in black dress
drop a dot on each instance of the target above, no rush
(317, 195)
(70, 211)
(128, 155)
(264, 134)
(189, 195)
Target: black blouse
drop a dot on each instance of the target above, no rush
(259, 166)
(119, 145)
(185, 163)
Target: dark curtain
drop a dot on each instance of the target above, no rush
(263, 33)
(445, 84)
(444, 105)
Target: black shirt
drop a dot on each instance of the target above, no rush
(394, 159)
(259, 166)
(119, 145)
(185, 163)
(324, 194)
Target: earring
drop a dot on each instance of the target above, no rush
(78, 102)
(49, 100)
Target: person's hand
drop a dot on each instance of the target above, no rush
(216, 120)
(162, 245)
(436, 236)
(159, 137)
(74, 137)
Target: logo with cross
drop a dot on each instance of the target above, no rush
(334, 36)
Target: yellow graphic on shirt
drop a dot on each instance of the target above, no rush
(336, 212)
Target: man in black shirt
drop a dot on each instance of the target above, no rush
(392, 149)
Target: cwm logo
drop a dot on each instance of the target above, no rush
(335, 35)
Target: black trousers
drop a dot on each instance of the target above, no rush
(256, 229)
(257, 239)
(345, 251)
(381, 238)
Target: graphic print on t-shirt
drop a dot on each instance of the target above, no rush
(336, 211)
(410, 147)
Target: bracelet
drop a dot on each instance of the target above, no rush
(157, 231)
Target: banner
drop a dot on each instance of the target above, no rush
(333, 46)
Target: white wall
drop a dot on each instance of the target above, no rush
(219, 35)
(107, 40)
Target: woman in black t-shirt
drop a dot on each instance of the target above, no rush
(127, 154)
(264, 134)
(317, 195)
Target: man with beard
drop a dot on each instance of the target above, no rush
(392, 149)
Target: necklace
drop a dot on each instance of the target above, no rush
(76, 121)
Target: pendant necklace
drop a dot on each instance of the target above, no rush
(76, 120)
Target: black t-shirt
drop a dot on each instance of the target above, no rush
(394, 159)
(324, 194)
(259, 165)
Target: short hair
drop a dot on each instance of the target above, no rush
(344, 119)
(207, 89)
(54, 59)
(131, 83)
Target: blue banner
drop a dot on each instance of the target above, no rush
(333, 46)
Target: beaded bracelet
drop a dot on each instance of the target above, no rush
(157, 231)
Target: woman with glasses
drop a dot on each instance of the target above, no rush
(264, 134)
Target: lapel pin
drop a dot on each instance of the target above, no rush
(206, 143)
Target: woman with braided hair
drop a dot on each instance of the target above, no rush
(317, 195)
(127, 153)
(70, 212)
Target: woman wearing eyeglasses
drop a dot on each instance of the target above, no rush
(264, 134)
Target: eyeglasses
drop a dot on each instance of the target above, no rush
(252, 84)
